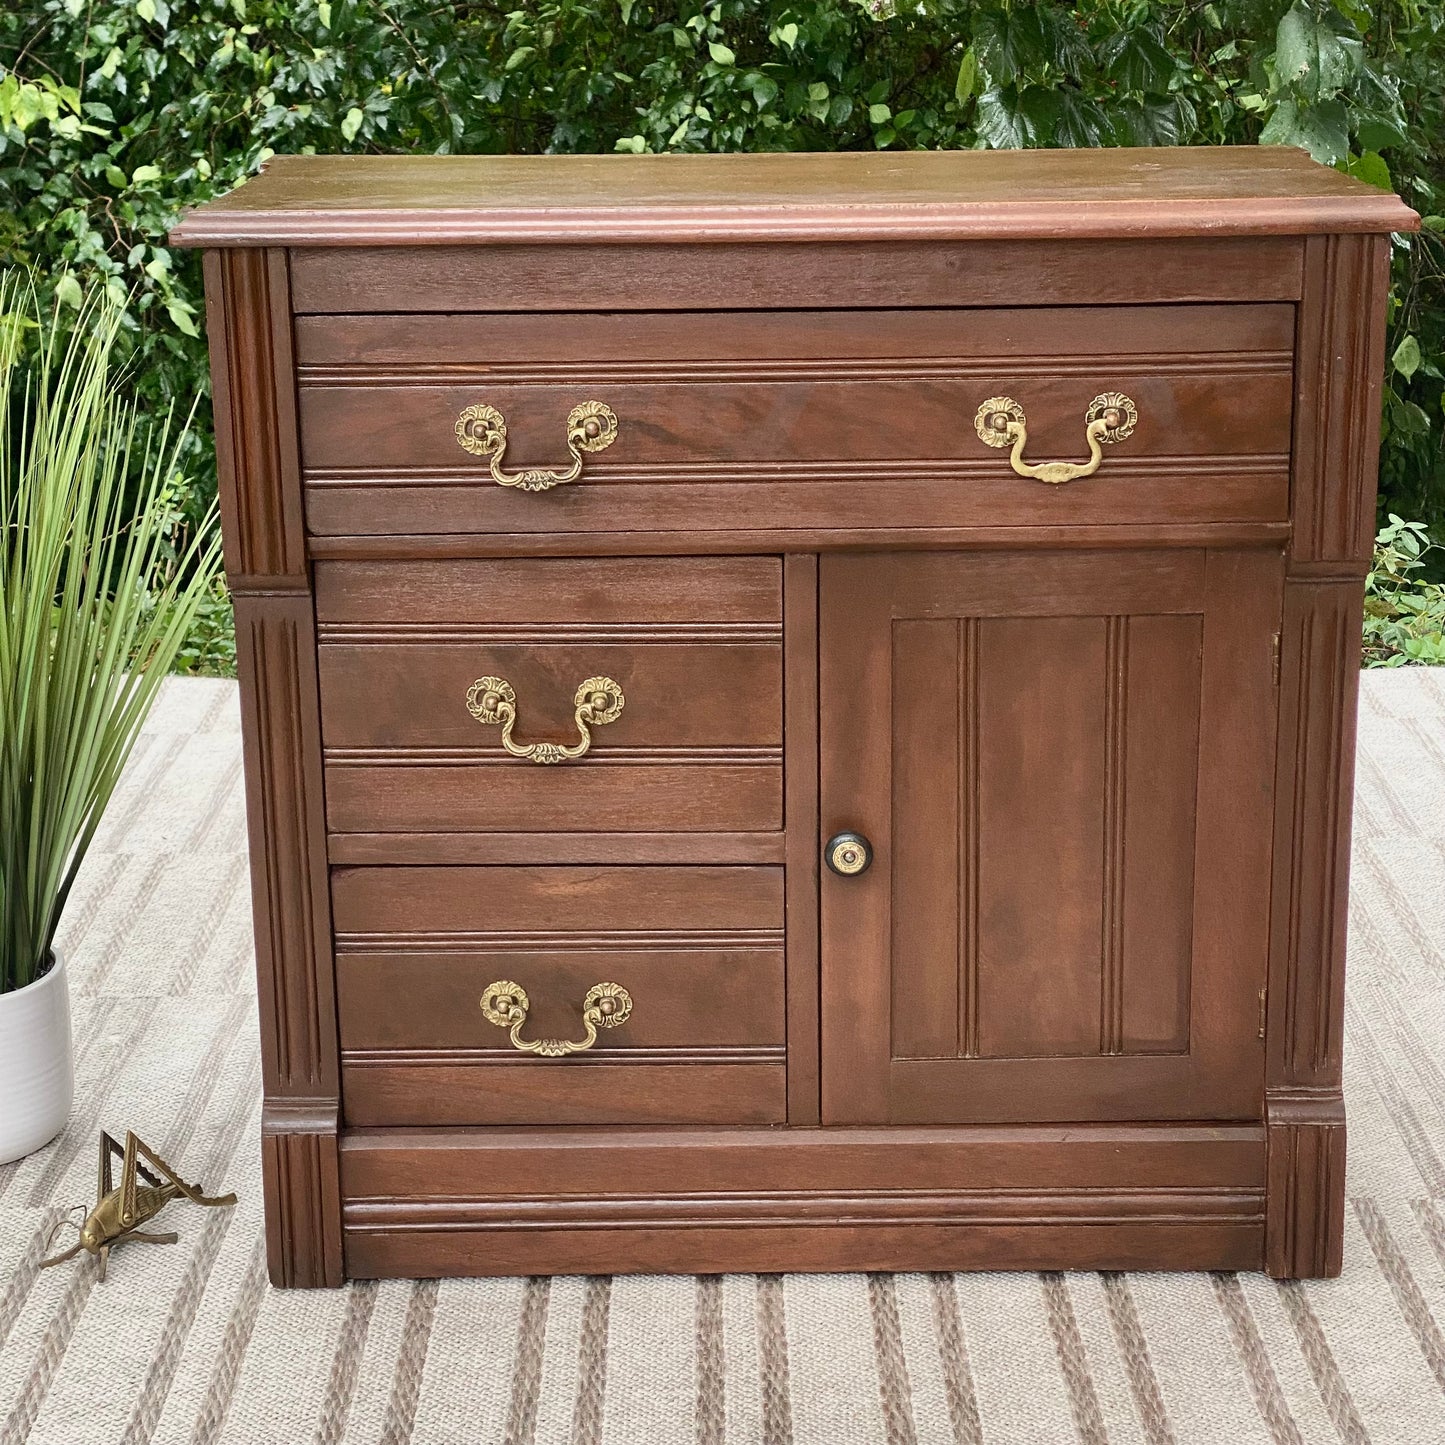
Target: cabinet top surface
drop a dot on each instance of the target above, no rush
(843, 196)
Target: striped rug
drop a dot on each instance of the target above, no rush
(188, 1345)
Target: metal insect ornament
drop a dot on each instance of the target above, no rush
(119, 1213)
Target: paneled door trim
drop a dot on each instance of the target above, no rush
(1110, 602)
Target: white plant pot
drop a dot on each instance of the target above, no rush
(37, 1072)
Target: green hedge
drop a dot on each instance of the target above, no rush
(115, 114)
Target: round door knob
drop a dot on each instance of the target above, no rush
(848, 854)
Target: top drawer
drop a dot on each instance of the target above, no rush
(788, 420)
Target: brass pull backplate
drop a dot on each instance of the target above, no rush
(1110, 417)
(482, 431)
(604, 1007)
(598, 701)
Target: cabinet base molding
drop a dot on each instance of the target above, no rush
(300, 1180)
(1305, 1189)
(591, 1201)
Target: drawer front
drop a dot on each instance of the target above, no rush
(693, 645)
(804, 419)
(698, 951)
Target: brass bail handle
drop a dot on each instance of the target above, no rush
(482, 431)
(598, 701)
(1110, 417)
(604, 1007)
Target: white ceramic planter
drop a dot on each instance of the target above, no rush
(37, 1075)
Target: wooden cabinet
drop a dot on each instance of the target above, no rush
(798, 710)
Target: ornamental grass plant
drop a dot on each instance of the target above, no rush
(99, 586)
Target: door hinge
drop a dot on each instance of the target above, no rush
(1274, 658)
(1263, 1009)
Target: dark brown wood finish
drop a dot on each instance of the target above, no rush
(1063, 763)
(266, 568)
(697, 650)
(700, 950)
(781, 275)
(1101, 1197)
(849, 196)
(834, 420)
(1085, 1009)
(1339, 372)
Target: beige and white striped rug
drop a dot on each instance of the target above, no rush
(188, 1345)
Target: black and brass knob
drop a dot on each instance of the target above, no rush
(848, 854)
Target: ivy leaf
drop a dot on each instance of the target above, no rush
(1342, 53)
(182, 319)
(720, 53)
(1079, 121)
(141, 174)
(351, 123)
(1152, 122)
(1137, 60)
(1297, 51)
(1322, 130)
(879, 114)
(1000, 123)
(1371, 169)
(1377, 133)
(146, 9)
(1007, 44)
(1406, 359)
(67, 291)
(967, 82)
(788, 35)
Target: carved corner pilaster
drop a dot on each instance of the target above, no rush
(276, 659)
(248, 321)
(300, 1170)
(1304, 1184)
(1314, 780)
(1339, 374)
(1314, 785)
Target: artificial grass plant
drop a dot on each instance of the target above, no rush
(96, 596)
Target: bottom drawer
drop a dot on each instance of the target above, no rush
(696, 952)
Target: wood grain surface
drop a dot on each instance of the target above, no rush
(440, 200)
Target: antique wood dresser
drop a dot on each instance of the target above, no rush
(799, 710)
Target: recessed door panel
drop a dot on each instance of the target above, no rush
(1063, 764)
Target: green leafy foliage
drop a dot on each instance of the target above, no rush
(116, 114)
(1404, 612)
(95, 598)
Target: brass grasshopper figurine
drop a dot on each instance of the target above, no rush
(119, 1213)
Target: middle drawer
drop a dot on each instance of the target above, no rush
(651, 689)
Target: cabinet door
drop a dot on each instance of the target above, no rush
(1064, 762)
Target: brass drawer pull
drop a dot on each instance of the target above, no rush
(482, 431)
(1000, 423)
(598, 701)
(605, 1006)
